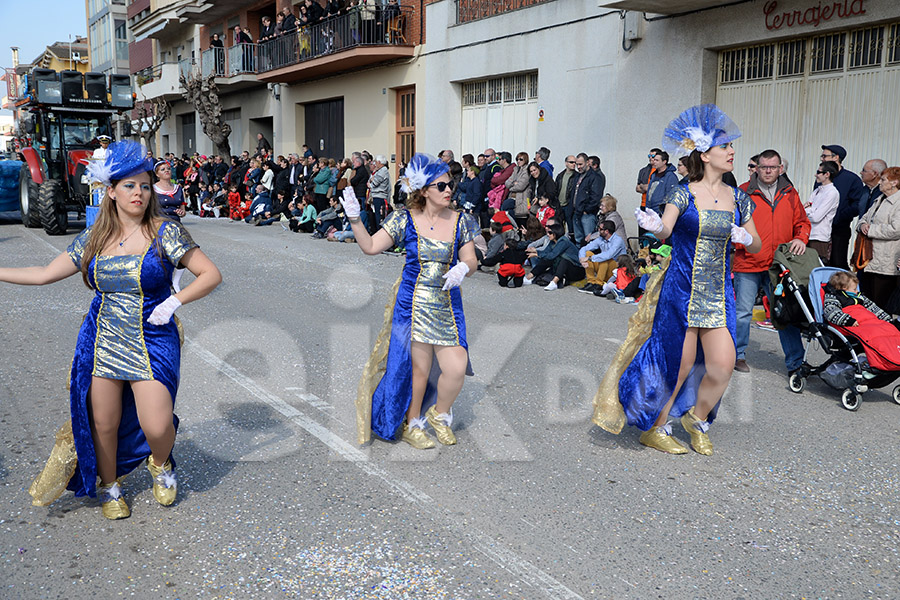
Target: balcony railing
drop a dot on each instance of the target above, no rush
(360, 27)
(228, 62)
(186, 67)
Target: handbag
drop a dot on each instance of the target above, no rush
(862, 252)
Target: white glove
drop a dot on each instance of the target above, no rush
(163, 313)
(649, 220)
(350, 203)
(455, 276)
(739, 235)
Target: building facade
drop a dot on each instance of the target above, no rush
(606, 78)
(344, 84)
(108, 36)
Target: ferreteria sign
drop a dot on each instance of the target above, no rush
(813, 15)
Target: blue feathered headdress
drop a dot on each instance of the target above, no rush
(699, 128)
(122, 159)
(421, 170)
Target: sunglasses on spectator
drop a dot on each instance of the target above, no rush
(820, 172)
(651, 156)
(570, 162)
(751, 166)
(827, 155)
(443, 185)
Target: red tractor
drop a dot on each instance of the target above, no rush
(61, 115)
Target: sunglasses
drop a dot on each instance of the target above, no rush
(651, 156)
(443, 185)
(820, 172)
(751, 166)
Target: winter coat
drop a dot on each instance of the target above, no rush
(359, 182)
(518, 189)
(777, 223)
(380, 183)
(323, 181)
(542, 186)
(469, 193)
(588, 194)
(884, 231)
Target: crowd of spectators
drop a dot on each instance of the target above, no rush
(563, 229)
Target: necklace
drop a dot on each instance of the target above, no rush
(433, 222)
(122, 243)
(715, 197)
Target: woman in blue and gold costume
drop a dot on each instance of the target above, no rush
(127, 357)
(679, 353)
(422, 347)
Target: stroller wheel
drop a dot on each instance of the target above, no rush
(896, 395)
(851, 400)
(796, 383)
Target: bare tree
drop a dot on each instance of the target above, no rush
(151, 114)
(203, 94)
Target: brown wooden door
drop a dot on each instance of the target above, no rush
(406, 123)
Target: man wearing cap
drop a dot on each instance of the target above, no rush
(100, 153)
(852, 191)
(780, 219)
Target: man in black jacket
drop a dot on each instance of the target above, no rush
(587, 195)
(219, 168)
(360, 176)
(565, 188)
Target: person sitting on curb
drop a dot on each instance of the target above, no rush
(599, 256)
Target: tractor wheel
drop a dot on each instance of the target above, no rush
(28, 197)
(52, 206)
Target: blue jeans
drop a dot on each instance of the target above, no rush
(585, 224)
(746, 286)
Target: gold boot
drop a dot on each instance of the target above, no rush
(112, 503)
(165, 485)
(697, 428)
(414, 435)
(441, 424)
(660, 438)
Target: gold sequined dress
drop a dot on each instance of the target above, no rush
(116, 342)
(694, 290)
(419, 311)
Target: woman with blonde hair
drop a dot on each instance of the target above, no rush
(127, 358)
(421, 353)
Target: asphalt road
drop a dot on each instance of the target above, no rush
(276, 500)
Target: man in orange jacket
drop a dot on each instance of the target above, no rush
(779, 218)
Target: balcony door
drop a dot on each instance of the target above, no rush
(406, 123)
(188, 133)
(325, 128)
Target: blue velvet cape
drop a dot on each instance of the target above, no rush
(650, 378)
(393, 394)
(161, 343)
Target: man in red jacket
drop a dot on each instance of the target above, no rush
(779, 218)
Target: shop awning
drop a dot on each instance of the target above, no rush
(665, 7)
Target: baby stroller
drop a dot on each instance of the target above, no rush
(846, 368)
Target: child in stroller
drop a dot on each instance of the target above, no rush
(862, 342)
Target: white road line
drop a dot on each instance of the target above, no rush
(43, 241)
(484, 544)
(311, 399)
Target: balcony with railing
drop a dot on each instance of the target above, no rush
(158, 81)
(347, 42)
